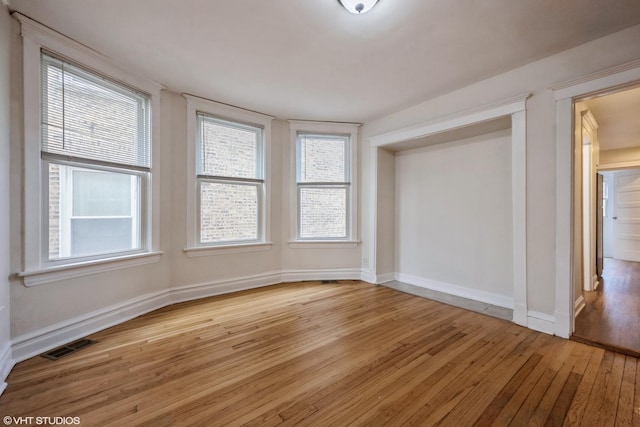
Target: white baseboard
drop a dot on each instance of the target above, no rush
(368, 276)
(386, 277)
(541, 322)
(460, 291)
(41, 340)
(320, 274)
(37, 342)
(579, 305)
(219, 287)
(6, 364)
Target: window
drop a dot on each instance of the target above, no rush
(323, 186)
(230, 181)
(90, 139)
(95, 152)
(227, 179)
(324, 191)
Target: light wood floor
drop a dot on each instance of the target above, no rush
(327, 355)
(612, 312)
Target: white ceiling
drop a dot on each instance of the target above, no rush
(313, 60)
(618, 117)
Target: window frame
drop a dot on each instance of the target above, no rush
(235, 116)
(38, 269)
(350, 132)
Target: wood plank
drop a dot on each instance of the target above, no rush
(313, 354)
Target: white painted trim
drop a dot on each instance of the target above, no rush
(515, 107)
(600, 80)
(519, 214)
(195, 105)
(541, 322)
(323, 244)
(460, 291)
(372, 260)
(579, 305)
(6, 364)
(41, 340)
(384, 278)
(36, 37)
(230, 249)
(487, 112)
(631, 164)
(564, 221)
(320, 274)
(37, 342)
(614, 77)
(68, 271)
(368, 276)
(327, 128)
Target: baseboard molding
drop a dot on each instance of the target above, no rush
(320, 274)
(579, 305)
(368, 276)
(37, 342)
(541, 322)
(386, 277)
(460, 291)
(6, 364)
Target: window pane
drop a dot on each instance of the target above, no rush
(97, 193)
(92, 212)
(88, 117)
(322, 159)
(91, 236)
(228, 212)
(323, 212)
(227, 149)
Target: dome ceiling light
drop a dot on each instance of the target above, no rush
(358, 7)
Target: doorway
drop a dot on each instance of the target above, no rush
(607, 136)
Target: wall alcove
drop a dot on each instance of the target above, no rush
(448, 207)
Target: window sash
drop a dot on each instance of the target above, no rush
(347, 210)
(302, 136)
(346, 184)
(260, 194)
(138, 212)
(65, 132)
(202, 119)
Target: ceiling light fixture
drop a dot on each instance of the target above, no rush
(358, 6)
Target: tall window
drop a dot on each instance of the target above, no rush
(230, 181)
(323, 181)
(96, 160)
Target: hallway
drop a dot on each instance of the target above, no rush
(611, 315)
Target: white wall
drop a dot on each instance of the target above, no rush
(43, 315)
(536, 78)
(5, 196)
(453, 213)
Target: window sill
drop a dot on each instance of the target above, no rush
(323, 244)
(227, 249)
(55, 274)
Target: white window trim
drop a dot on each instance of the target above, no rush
(328, 128)
(226, 112)
(36, 37)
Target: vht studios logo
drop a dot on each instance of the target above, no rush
(41, 421)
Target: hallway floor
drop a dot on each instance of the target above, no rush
(611, 316)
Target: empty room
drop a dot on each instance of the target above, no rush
(327, 213)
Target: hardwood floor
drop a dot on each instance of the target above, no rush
(328, 355)
(612, 313)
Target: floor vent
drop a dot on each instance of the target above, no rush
(329, 282)
(67, 349)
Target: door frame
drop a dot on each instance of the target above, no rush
(566, 93)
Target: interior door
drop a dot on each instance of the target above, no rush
(599, 229)
(626, 224)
